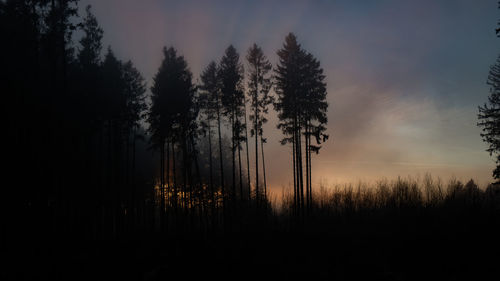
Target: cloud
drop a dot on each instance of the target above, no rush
(404, 77)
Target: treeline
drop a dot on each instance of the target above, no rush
(74, 124)
(182, 112)
(79, 122)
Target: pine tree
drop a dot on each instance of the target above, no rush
(90, 51)
(301, 105)
(171, 116)
(259, 85)
(211, 104)
(231, 75)
(135, 106)
(314, 119)
(287, 88)
(88, 80)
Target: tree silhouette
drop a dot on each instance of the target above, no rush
(172, 115)
(301, 108)
(87, 81)
(90, 51)
(162, 113)
(246, 150)
(211, 107)
(231, 75)
(314, 119)
(135, 107)
(259, 85)
(88, 71)
(489, 116)
(287, 79)
(114, 103)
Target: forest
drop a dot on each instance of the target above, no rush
(109, 178)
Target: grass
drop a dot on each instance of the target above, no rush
(398, 194)
(405, 229)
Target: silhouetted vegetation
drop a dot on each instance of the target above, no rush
(301, 105)
(488, 116)
(259, 85)
(107, 181)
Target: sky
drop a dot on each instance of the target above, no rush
(404, 78)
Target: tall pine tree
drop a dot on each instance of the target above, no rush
(259, 86)
(231, 76)
(301, 105)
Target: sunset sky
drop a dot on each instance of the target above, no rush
(404, 77)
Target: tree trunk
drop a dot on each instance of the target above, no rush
(199, 183)
(221, 160)
(174, 178)
(233, 149)
(310, 169)
(211, 181)
(133, 194)
(185, 177)
(167, 181)
(306, 140)
(162, 171)
(241, 173)
(301, 173)
(256, 155)
(127, 158)
(190, 180)
(295, 185)
(263, 166)
(248, 157)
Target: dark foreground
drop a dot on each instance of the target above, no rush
(410, 243)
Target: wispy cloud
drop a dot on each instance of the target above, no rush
(404, 77)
